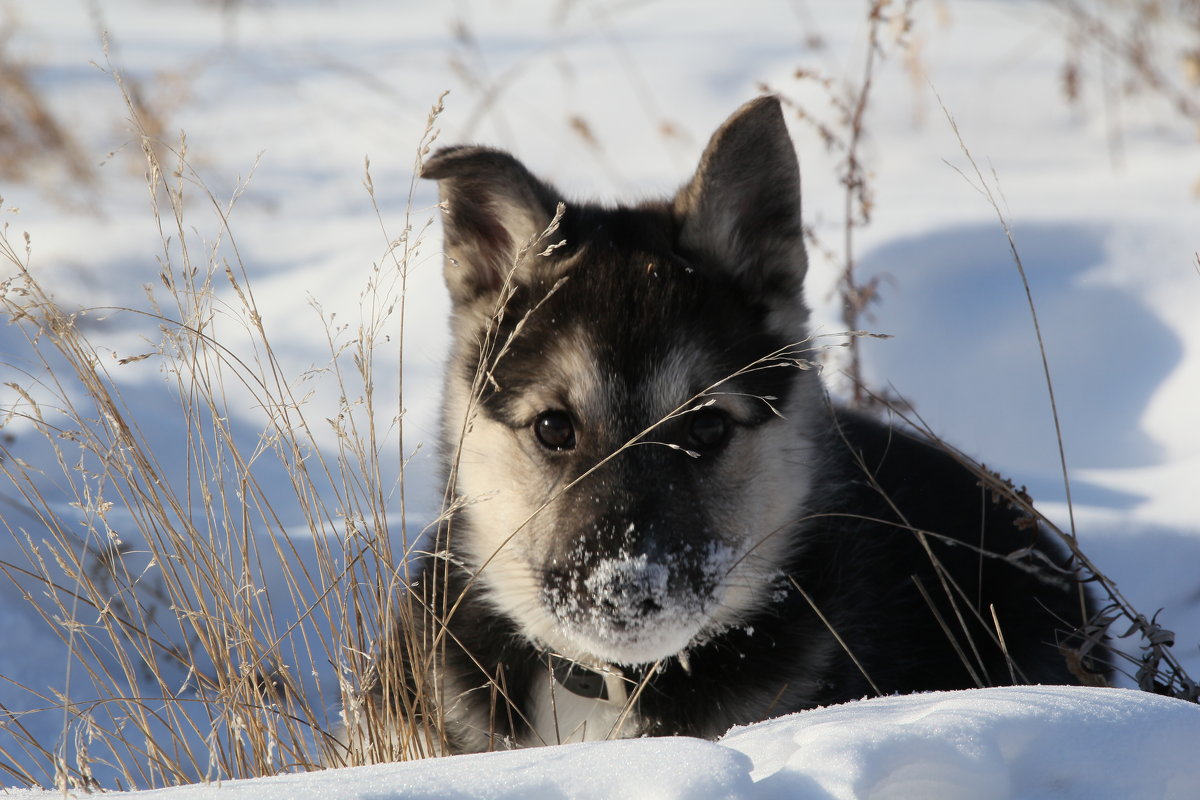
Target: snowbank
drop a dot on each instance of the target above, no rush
(987, 744)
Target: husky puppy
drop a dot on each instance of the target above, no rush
(661, 525)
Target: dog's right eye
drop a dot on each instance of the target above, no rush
(554, 430)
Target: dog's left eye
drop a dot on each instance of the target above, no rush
(708, 429)
(554, 430)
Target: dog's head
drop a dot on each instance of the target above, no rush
(626, 406)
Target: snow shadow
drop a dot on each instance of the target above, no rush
(965, 353)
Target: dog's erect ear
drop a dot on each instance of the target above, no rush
(741, 210)
(493, 208)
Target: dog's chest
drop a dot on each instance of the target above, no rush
(579, 706)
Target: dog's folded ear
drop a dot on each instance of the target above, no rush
(741, 210)
(493, 208)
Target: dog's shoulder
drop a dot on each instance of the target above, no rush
(886, 478)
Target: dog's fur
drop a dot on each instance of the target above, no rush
(652, 490)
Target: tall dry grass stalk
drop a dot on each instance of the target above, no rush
(1156, 669)
(889, 33)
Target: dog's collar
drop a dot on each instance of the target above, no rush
(585, 680)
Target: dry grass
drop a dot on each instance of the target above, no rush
(31, 132)
(1131, 51)
(155, 574)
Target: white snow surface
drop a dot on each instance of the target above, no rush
(1033, 742)
(1102, 200)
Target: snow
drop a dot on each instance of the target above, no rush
(987, 744)
(1027, 742)
(308, 90)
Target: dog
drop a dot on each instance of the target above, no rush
(658, 523)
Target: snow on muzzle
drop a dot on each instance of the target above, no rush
(637, 608)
